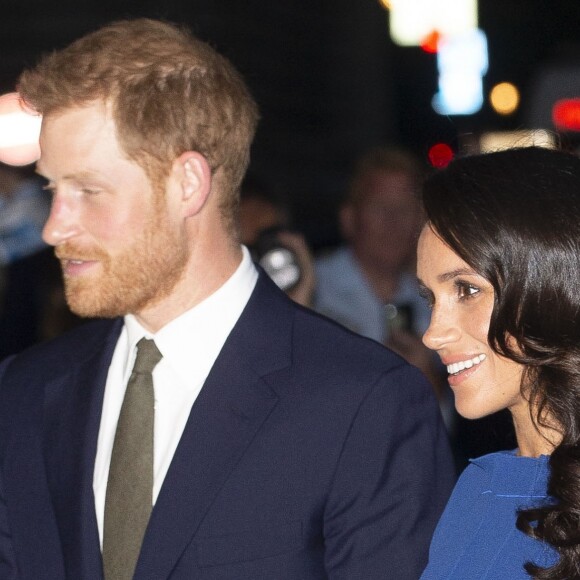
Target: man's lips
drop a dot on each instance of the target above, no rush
(73, 257)
(76, 266)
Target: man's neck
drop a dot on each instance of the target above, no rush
(197, 283)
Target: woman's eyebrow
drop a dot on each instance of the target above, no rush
(446, 276)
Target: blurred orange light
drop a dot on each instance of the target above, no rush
(431, 42)
(504, 98)
(19, 131)
(566, 115)
(440, 155)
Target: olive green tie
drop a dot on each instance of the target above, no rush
(129, 497)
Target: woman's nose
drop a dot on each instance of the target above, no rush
(442, 330)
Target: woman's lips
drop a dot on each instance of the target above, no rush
(463, 368)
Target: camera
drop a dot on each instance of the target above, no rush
(279, 261)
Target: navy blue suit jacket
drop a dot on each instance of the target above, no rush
(310, 453)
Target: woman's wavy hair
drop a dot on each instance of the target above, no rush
(169, 91)
(514, 217)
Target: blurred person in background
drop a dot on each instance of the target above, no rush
(24, 207)
(32, 305)
(25, 259)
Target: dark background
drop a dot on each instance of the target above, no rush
(327, 77)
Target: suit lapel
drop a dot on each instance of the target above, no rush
(72, 416)
(230, 409)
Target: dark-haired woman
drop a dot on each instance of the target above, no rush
(499, 262)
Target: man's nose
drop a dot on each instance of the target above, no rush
(62, 223)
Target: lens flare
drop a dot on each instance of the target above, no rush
(19, 131)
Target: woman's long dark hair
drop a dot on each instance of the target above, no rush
(514, 217)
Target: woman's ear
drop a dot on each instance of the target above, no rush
(194, 180)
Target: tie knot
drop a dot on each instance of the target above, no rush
(148, 356)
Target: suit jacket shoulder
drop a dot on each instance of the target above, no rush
(58, 354)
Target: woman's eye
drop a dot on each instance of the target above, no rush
(465, 290)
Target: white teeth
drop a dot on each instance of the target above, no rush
(454, 368)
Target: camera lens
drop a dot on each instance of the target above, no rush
(279, 261)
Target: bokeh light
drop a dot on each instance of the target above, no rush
(462, 61)
(19, 132)
(440, 155)
(411, 21)
(566, 115)
(430, 43)
(504, 98)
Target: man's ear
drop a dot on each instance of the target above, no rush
(194, 180)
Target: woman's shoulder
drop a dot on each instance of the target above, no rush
(502, 472)
(481, 469)
(477, 535)
(506, 472)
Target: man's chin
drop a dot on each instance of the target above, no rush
(91, 305)
(85, 311)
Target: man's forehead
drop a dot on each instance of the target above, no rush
(381, 185)
(80, 140)
(83, 124)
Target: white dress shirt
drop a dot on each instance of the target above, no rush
(190, 344)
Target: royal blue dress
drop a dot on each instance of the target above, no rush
(477, 537)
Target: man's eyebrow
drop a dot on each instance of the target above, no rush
(87, 174)
(446, 276)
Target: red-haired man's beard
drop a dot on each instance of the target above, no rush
(136, 276)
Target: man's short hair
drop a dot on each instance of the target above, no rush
(169, 92)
